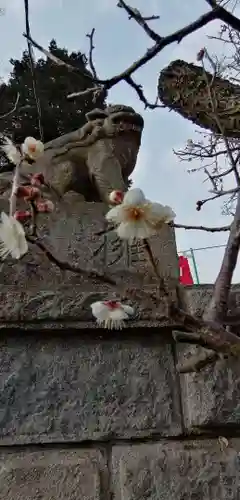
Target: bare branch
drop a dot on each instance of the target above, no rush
(58, 61)
(91, 49)
(138, 89)
(200, 203)
(65, 266)
(177, 36)
(202, 228)
(13, 109)
(136, 15)
(94, 91)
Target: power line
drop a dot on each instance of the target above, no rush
(201, 248)
(32, 68)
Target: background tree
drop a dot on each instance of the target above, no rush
(54, 83)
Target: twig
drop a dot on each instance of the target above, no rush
(138, 89)
(95, 91)
(136, 15)
(202, 228)
(65, 266)
(13, 109)
(177, 36)
(58, 61)
(91, 49)
(15, 184)
(200, 203)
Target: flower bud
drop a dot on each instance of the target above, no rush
(28, 193)
(116, 197)
(37, 179)
(45, 206)
(201, 54)
(22, 215)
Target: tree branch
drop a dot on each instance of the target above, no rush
(136, 15)
(138, 89)
(202, 228)
(200, 203)
(219, 304)
(13, 109)
(65, 266)
(91, 49)
(163, 42)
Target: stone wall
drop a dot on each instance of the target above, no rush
(93, 415)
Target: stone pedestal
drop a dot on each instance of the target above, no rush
(35, 287)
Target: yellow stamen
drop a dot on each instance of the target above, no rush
(135, 213)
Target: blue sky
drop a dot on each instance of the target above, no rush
(118, 43)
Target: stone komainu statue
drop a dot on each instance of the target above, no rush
(183, 87)
(95, 159)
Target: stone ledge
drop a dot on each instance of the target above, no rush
(210, 398)
(52, 474)
(65, 388)
(175, 470)
(69, 303)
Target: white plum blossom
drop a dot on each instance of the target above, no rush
(12, 237)
(111, 313)
(11, 151)
(31, 148)
(137, 218)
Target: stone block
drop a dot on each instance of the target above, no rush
(191, 470)
(72, 233)
(48, 475)
(58, 388)
(210, 398)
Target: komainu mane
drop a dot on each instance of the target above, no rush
(184, 87)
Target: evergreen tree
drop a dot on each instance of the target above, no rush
(54, 83)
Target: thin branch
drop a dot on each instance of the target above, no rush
(219, 304)
(65, 266)
(202, 228)
(94, 91)
(200, 203)
(136, 15)
(13, 109)
(58, 61)
(91, 49)
(138, 89)
(177, 36)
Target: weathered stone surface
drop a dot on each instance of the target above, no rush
(48, 475)
(199, 296)
(71, 233)
(193, 470)
(210, 398)
(67, 388)
(36, 286)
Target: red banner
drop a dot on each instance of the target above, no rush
(185, 272)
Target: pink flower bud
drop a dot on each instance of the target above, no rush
(201, 54)
(37, 179)
(46, 206)
(112, 304)
(116, 197)
(28, 193)
(22, 215)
